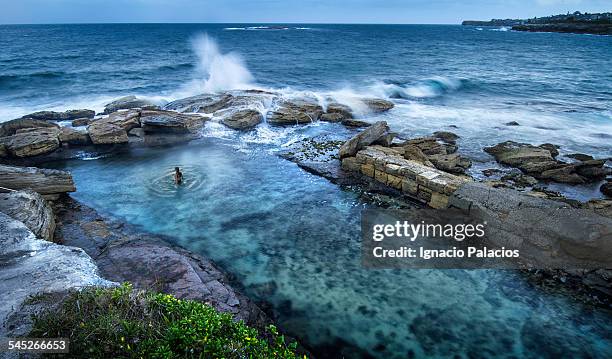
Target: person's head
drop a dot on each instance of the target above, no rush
(177, 170)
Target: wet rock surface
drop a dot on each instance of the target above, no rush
(363, 139)
(294, 112)
(70, 136)
(9, 128)
(244, 119)
(28, 142)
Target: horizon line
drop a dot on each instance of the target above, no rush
(229, 23)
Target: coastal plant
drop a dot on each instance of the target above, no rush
(121, 322)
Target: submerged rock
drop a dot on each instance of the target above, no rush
(512, 123)
(41, 180)
(28, 142)
(363, 139)
(446, 136)
(355, 123)
(128, 102)
(243, 119)
(32, 209)
(580, 157)
(292, 112)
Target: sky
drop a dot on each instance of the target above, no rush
(285, 11)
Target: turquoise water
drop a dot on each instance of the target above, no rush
(291, 240)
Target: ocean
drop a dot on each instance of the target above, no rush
(291, 239)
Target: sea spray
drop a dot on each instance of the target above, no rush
(216, 71)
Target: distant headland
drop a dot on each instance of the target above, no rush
(577, 22)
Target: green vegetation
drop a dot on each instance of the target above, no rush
(124, 323)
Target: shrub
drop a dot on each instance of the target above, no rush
(121, 322)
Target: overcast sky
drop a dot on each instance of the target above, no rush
(282, 11)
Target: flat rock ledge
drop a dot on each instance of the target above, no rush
(31, 266)
(150, 262)
(48, 182)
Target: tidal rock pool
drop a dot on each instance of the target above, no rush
(292, 242)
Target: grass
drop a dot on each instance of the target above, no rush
(121, 322)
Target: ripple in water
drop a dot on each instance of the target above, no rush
(162, 184)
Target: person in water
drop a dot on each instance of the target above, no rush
(178, 175)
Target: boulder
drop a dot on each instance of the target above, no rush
(207, 103)
(520, 179)
(31, 266)
(553, 149)
(9, 128)
(73, 137)
(30, 208)
(41, 180)
(28, 142)
(523, 156)
(170, 122)
(114, 128)
(580, 157)
(81, 122)
(331, 117)
(363, 139)
(292, 112)
(512, 123)
(60, 116)
(128, 102)
(337, 112)
(355, 123)
(446, 136)
(386, 139)
(3, 150)
(377, 104)
(451, 162)
(428, 145)
(76, 114)
(414, 153)
(244, 119)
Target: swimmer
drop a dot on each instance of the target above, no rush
(178, 175)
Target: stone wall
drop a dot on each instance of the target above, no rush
(418, 181)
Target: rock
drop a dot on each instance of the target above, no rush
(28, 142)
(30, 208)
(60, 116)
(414, 153)
(43, 181)
(577, 173)
(446, 136)
(202, 103)
(491, 171)
(523, 156)
(292, 112)
(244, 119)
(9, 128)
(81, 122)
(103, 132)
(378, 105)
(76, 114)
(355, 123)
(3, 150)
(363, 139)
(338, 111)
(512, 123)
(385, 140)
(428, 145)
(332, 117)
(170, 122)
(129, 102)
(137, 132)
(452, 162)
(553, 149)
(114, 128)
(606, 189)
(73, 137)
(580, 156)
(520, 179)
(31, 266)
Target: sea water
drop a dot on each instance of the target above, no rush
(291, 239)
